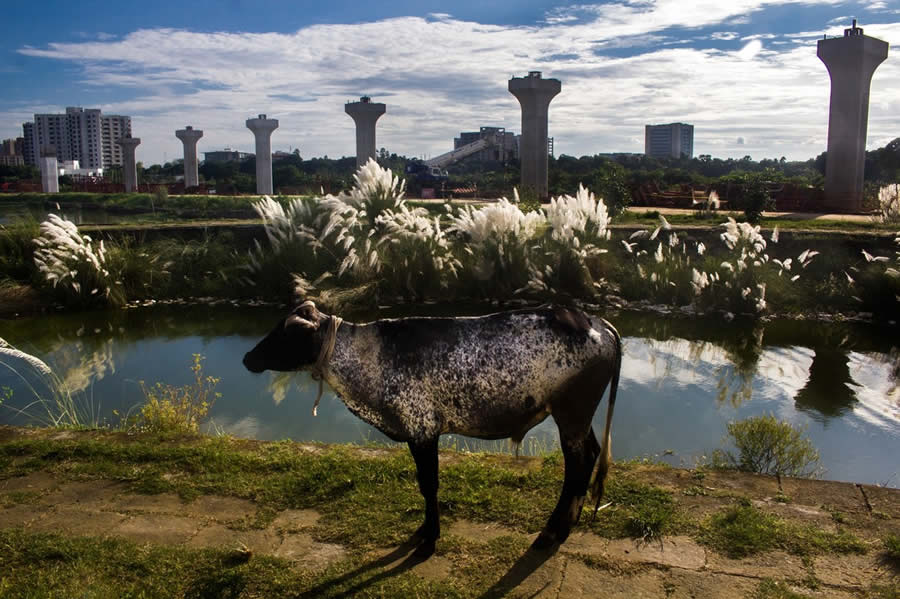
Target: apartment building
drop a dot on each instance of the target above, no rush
(674, 139)
(82, 134)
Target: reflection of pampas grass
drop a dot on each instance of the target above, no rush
(58, 409)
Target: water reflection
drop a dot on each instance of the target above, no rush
(830, 390)
(682, 381)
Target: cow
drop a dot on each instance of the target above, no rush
(490, 377)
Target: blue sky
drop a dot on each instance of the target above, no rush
(744, 72)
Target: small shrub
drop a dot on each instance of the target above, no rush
(766, 445)
(175, 410)
(892, 548)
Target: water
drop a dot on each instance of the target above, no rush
(682, 382)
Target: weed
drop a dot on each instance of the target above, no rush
(744, 530)
(178, 410)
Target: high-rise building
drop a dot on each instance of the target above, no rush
(28, 152)
(82, 134)
(506, 148)
(674, 140)
(11, 152)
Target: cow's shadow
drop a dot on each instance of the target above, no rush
(530, 561)
(524, 567)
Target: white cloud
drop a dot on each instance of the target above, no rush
(442, 76)
(724, 35)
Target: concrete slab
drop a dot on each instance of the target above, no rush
(301, 548)
(35, 482)
(293, 520)
(676, 552)
(216, 536)
(77, 522)
(164, 503)
(157, 528)
(479, 532)
(20, 515)
(219, 508)
(776, 565)
(92, 495)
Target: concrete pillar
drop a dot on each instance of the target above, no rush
(49, 170)
(364, 114)
(534, 95)
(189, 137)
(129, 165)
(262, 130)
(851, 62)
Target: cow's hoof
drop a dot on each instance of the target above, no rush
(544, 541)
(424, 550)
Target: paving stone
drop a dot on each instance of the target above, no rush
(534, 574)
(851, 570)
(775, 565)
(35, 481)
(158, 528)
(219, 508)
(217, 536)
(19, 515)
(884, 500)
(77, 522)
(688, 584)
(434, 568)
(296, 519)
(163, 503)
(677, 552)
(307, 553)
(93, 495)
(477, 531)
(834, 496)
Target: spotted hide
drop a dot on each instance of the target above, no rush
(490, 377)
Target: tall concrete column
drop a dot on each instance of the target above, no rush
(262, 130)
(851, 62)
(364, 114)
(129, 165)
(189, 137)
(534, 95)
(49, 170)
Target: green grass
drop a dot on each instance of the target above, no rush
(44, 565)
(743, 530)
(770, 589)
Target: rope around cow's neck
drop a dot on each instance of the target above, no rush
(321, 366)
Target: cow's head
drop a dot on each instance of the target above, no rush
(293, 344)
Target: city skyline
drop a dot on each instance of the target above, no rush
(745, 75)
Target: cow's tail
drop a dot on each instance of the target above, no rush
(604, 460)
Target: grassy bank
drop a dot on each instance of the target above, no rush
(370, 247)
(369, 503)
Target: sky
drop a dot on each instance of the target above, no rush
(743, 72)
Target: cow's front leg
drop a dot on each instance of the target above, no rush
(425, 454)
(578, 463)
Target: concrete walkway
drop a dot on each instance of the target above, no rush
(586, 565)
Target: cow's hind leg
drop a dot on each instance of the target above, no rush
(580, 455)
(425, 455)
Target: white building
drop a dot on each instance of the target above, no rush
(82, 134)
(674, 139)
(72, 168)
